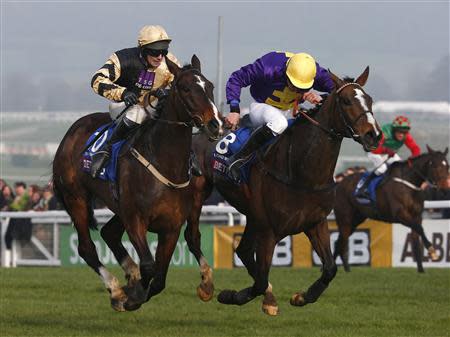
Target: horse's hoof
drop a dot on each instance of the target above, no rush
(117, 304)
(271, 310)
(298, 299)
(227, 296)
(433, 254)
(205, 292)
(131, 306)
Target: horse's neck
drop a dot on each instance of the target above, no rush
(414, 174)
(168, 144)
(309, 154)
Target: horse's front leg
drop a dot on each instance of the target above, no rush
(417, 249)
(112, 233)
(265, 246)
(320, 240)
(418, 228)
(166, 245)
(205, 290)
(137, 295)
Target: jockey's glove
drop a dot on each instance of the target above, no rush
(161, 93)
(130, 98)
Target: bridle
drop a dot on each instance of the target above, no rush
(196, 119)
(349, 125)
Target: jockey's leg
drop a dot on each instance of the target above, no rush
(271, 122)
(134, 116)
(380, 163)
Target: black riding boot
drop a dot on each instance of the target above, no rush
(100, 158)
(259, 137)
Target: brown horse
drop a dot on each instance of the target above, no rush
(398, 199)
(291, 190)
(144, 203)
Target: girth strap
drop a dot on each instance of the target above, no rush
(155, 172)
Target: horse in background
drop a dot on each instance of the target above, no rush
(290, 190)
(399, 199)
(146, 201)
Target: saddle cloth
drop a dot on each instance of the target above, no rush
(108, 173)
(370, 189)
(230, 145)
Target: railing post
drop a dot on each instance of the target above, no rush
(5, 253)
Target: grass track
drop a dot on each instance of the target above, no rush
(365, 302)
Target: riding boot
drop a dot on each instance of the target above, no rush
(259, 137)
(100, 158)
(363, 192)
(194, 165)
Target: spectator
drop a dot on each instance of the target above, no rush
(6, 197)
(19, 228)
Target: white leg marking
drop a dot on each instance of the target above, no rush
(108, 279)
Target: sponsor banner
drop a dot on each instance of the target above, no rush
(437, 231)
(370, 245)
(181, 255)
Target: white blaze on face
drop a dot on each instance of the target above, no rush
(216, 113)
(362, 100)
(200, 82)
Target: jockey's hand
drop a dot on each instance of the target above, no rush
(312, 97)
(389, 152)
(161, 93)
(232, 120)
(130, 98)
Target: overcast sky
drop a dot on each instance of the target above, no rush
(51, 49)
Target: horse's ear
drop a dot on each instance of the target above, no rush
(173, 67)
(196, 63)
(337, 81)
(362, 79)
(446, 151)
(430, 150)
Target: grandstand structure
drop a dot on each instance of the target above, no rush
(29, 140)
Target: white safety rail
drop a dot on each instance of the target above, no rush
(210, 215)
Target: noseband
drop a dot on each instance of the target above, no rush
(349, 125)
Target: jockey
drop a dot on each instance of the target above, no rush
(127, 76)
(395, 134)
(278, 81)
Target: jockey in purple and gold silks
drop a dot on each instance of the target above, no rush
(278, 81)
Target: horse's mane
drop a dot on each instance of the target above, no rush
(347, 79)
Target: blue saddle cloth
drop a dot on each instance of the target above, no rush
(231, 144)
(371, 188)
(109, 172)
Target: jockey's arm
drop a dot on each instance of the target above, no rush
(247, 75)
(103, 80)
(412, 145)
(323, 81)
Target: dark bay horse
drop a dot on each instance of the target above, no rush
(144, 203)
(398, 199)
(291, 190)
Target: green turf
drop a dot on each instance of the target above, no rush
(365, 302)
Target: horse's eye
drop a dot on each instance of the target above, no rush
(347, 101)
(184, 88)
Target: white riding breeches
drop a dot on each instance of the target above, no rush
(381, 161)
(274, 118)
(135, 113)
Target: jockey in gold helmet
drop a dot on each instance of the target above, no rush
(278, 81)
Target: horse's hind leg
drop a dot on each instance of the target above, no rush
(346, 225)
(417, 249)
(205, 290)
(320, 240)
(112, 233)
(265, 244)
(81, 214)
(246, 252)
